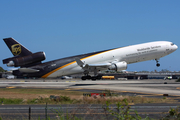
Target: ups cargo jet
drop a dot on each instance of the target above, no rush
(30, 64)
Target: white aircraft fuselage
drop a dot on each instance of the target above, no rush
(129, 54)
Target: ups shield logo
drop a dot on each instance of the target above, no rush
(16, 49)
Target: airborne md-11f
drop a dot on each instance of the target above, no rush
(30, 64)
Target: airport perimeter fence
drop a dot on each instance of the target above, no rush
(47, 112)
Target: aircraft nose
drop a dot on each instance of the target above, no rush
(175, 47)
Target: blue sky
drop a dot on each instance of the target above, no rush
(72, 27)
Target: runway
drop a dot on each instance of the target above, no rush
(149, 86)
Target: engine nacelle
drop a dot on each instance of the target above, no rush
(118, 66)
(25, 60)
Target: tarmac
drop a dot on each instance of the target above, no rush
(157, 88)
(147, 86)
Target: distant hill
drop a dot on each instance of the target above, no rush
(2, 70)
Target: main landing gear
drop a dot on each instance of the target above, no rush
(94, 78)
(157, 63)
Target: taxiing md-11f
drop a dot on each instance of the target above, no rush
(30, 64)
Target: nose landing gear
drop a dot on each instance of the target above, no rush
(157, 63)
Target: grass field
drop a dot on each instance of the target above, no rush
(41, 96)
(34, 93)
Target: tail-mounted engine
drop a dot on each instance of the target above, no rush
(19, 61)
(118, 66)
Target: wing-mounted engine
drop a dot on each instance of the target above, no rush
(25, 60)
(118, 66)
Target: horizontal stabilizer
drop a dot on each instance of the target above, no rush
(28, 70)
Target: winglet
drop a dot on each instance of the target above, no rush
(79, 62)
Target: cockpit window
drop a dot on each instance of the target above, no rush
(172, 44)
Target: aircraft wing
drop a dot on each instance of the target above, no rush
(99, 65)
(83, 65)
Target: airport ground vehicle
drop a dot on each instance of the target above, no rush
(10, 77)
(168, 78)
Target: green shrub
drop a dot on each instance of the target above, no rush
(174, 114)
(178, 80)
(65, 99)
(32, 101)
(10, 101)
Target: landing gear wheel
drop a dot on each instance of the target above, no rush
(93, 78)
(88, 77)
(98, 77)
(83, 78)
(157, 64)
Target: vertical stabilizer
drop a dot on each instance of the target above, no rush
(16, 48)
